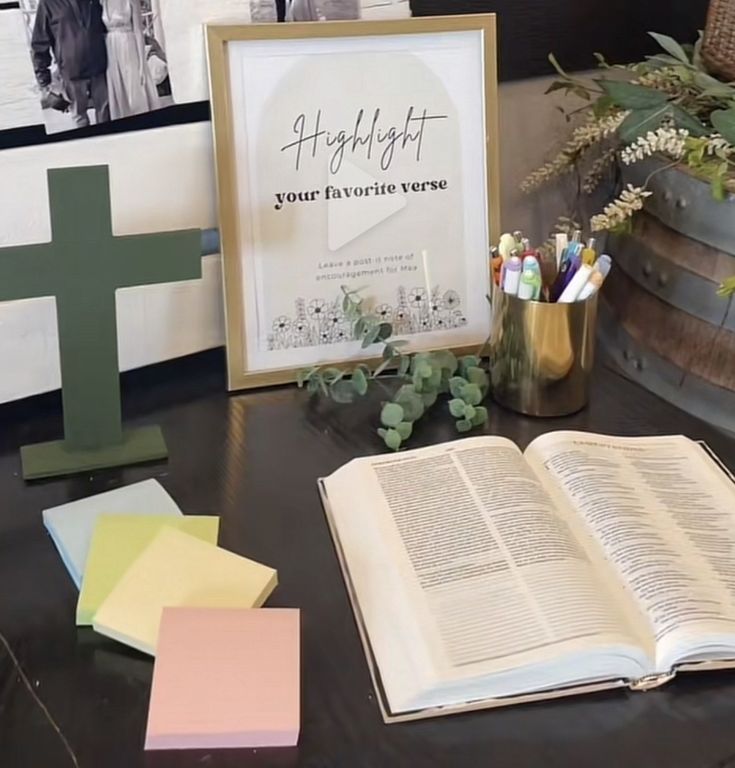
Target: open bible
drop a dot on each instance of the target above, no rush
(481, 575)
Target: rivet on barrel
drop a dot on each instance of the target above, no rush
(681, 203)
(647, 268)
(663, 279)
(639, 364)
(667, 196)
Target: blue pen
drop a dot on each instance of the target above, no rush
(574, 264)
(566, 273)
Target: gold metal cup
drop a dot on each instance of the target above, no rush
(541, 354)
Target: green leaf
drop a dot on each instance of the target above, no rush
(631, 96)
(424, 369)
(469, 361)
(724, 122)
(469, 412)
(434, 381)
(711, 86)
(446, 360)
(697, 51)
(557, 66)
(558, 85)
(391, 414)
(404, 429)
(411, 402)
(640, 121)
(305, 374)
(332, 374)
(385, 364)
(359, 382)
(404, 365)
(688, 122)
(372, 331)
(727, 288)
(392, 439)
(463, 425)
(480, 416)
(342, 391)
(662, 61)
(457, 386)
(602, 106)
(360, 327)
(382, 432)
(472, 394)
(670, 46)
(385, 331)
(417, 382)
(719, 192)
(478, 376)
(456, 407)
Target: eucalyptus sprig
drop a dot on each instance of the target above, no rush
(426, 376)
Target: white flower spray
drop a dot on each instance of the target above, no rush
(619, 211)
(667, 141)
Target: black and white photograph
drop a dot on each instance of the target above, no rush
(96, 60)
(326, 10)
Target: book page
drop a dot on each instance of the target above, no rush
(482, 572)
(665, 515)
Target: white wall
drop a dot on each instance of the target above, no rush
(531, 129)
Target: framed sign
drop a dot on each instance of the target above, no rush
(355, 154)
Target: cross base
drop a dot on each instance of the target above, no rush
(56, 458)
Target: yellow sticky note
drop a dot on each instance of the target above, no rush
(117, 541)
(179, 570)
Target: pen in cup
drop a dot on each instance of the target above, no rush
(512, 276)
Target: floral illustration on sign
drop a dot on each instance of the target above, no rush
(319, 321)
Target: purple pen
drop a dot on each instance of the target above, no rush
(566, 273)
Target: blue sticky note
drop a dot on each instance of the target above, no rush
(71, 525)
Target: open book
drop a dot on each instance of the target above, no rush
(482, 576)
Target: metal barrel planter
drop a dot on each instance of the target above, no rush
(661, 320)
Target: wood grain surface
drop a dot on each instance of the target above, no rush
(253, 459)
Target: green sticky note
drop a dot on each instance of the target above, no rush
(117, 541)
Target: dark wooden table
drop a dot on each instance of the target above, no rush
(253, 459)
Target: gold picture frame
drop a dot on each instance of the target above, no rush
(219, 37)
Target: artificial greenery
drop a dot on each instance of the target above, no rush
(426, 376)
(668, 106)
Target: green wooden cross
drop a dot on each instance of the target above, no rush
(82, 267)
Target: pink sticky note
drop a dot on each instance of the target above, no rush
(225, 677)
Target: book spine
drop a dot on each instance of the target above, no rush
(650, 682)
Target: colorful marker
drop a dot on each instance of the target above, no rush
(576, 284)
(512, 276)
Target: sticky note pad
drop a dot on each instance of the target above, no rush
(225, 678)
(117, 541)
(71, 525)
(178, 570)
